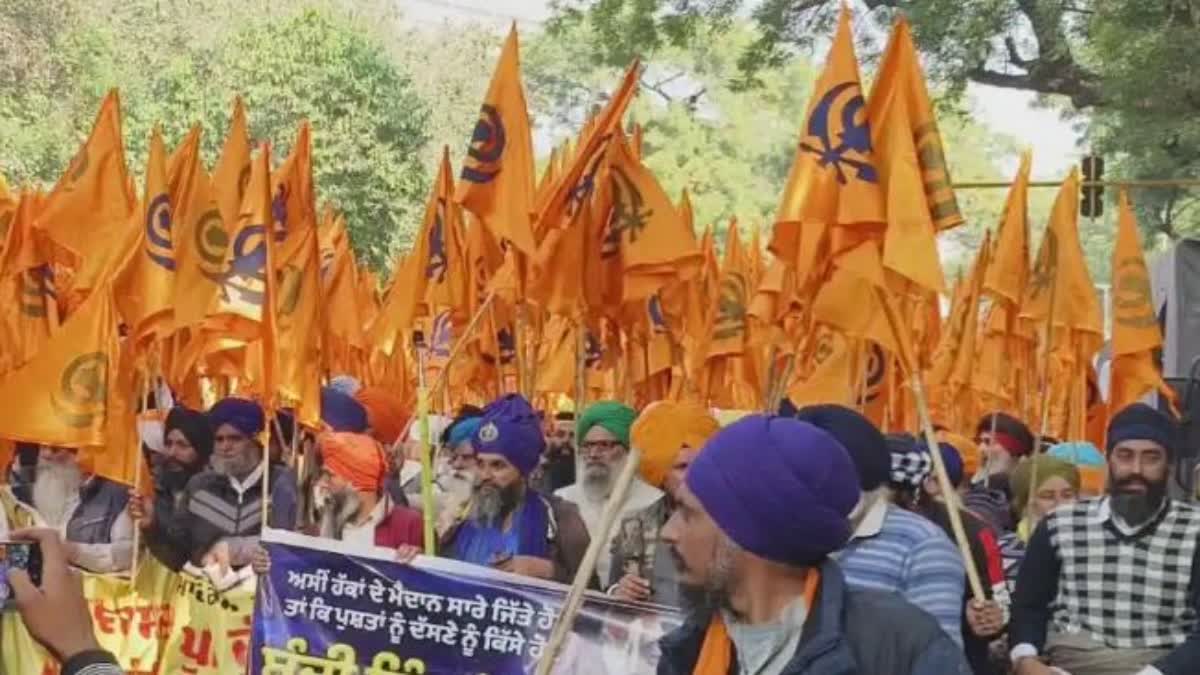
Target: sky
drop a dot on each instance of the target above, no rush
(1014, 113)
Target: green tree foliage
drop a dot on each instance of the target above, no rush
(1123, 67)
(323, 63)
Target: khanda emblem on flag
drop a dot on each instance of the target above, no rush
(435, 268)
(584, 188)
(82, 390)
(842, 136)
(1046, 267)
(1132, 299)
(628, 214)
(874, 376)
(37, 290)
(158, 233)
(932, 158)
(487, 147)
(211, 242)
(731, 307)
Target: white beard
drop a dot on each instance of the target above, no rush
(55, 484)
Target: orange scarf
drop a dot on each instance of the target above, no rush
(716, 654)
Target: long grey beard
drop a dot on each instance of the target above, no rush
(53, 486)
(598, 479)
(339, 511)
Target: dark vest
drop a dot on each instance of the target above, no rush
(101, 502)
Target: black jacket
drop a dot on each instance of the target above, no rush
(846, 633)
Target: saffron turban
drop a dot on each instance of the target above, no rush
(511, 428)
(663, 429)
(780, 488)
(341, 412)
(614, 417)
(356, 458)
(242, 414)
(386, 414)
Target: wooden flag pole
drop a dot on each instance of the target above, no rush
(427, 505)
(1045, 412)
(580, 375)
(574, 599)
(949, 494)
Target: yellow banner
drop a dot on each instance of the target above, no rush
(162, 623)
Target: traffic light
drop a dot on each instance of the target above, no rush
(1091, 203)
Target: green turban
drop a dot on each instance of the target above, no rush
(614, 417)
(1047, 467)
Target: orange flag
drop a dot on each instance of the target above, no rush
(951, 365)
(298, 274)
(833, 179)
(232, 173)
(244, 310)
(339, 278)
(8, 208)
(30, 309)
(60, 397)
(900, 82)
(497, 176)
(1009, 272)
(579, 171)
(643, 228)
(446, 274)
(1135, 334)
(201, 238)
(1060, 276)
(90, 209)
(144, 290)
(909, 246)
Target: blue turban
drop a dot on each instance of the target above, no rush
(860, 438)
(511, 428)
(347, 384)
(780, 488)
(242, 414)
(462, 430)
(954, 463)
(342, 412)
(1140, 422)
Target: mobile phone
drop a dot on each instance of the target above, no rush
(18, 555)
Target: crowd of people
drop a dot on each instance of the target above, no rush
(807, 542)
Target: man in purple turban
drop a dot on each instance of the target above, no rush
(219, 519)
(507, 524)
(763, 505)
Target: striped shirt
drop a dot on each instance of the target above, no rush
(895, 550)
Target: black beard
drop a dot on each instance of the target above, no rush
(1134, 507)
(173, 477)
(493, 504)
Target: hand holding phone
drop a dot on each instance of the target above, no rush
(52, 607)
(18, 555)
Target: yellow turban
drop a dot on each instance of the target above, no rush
(967, 449)
(666, 427)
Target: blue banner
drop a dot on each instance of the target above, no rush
(323, 612)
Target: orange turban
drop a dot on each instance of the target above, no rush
(666, 427)
(356, 458)
(386, 414)
(967, 449)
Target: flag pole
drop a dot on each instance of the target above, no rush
(137, 480)
(949, 494)
(1045, 412)
(427, 507)
(574, 599)
(580, 374)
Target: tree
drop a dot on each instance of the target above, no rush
(325, 63)
(1120, 63)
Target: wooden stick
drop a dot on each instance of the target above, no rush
(427, 506)
(1045, 414)
(580, 375)
(598, 543)
(949, 494)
